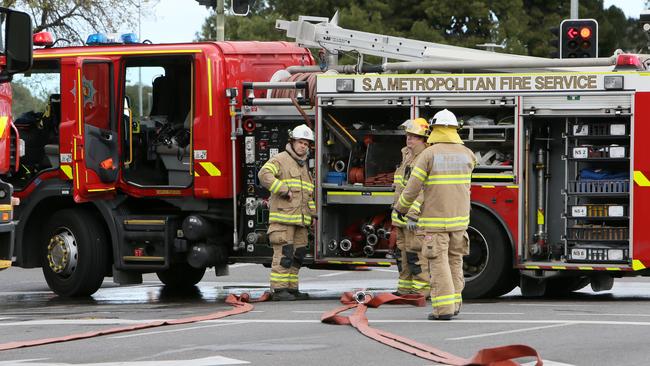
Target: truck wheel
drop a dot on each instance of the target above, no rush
(488, 266)
(181, 275)
(564, 286)
(75, 253)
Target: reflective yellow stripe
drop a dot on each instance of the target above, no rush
(399, 180)
(67, 170)
(492, 176)
(449, 179)
(290, 219)
(419, 174)
(443, 303)
(104, 53)
(443, 221)
(4, 264)
(420, 285)
(211, 169)
(311, 204)
(396, 219)
(271, 167)
(404, 202)
(640, 179)
(275, 187)
(443, 300)
(637, 265)
(3, 124)
(209, 63)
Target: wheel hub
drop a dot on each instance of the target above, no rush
(62, 253)
(474, 263)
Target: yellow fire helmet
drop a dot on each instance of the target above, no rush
(418, 126)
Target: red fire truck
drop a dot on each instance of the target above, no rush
(145, 159)
(16, 50)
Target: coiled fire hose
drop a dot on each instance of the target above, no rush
(499, 356)
(241, 304)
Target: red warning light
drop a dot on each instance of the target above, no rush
(585, 32)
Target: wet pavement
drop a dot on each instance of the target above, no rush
(586, 328)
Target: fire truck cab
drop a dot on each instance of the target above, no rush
(16, 51)
(128, 166)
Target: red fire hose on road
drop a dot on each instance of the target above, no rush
(241, 304)
(499, 356)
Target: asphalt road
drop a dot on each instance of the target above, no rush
(608, 328)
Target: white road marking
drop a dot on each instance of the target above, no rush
(307, 311)
(237, 265)
(599, 314)
(555, 305)
(384, 270)
(471, 313)
(332, 274)
(175, 330)
(507, 332)
(208, 361)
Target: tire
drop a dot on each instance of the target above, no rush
(75, 253)
(181, 276)
(564, 286)
(488, 267)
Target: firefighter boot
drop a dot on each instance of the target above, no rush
(440, 317)
(282, 294)
(299, 295)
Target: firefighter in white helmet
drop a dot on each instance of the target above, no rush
(443, 172)
(412, 277)
(286, 175)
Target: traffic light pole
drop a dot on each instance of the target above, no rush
(220, 20)
(574, 9)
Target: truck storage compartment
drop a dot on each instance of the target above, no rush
(587, 165)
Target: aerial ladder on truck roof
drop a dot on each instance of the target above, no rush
(321, 32)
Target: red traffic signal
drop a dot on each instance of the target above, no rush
(578, 38)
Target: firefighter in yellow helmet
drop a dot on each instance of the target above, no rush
(443, 172)
(412, 277)
(286, 175)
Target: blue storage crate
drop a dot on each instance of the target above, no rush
(336, 178)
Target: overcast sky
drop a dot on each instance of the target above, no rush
(168, 22)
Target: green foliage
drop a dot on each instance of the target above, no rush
(23, 100)
(522, 26)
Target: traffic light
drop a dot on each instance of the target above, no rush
(578, 38)
(240, 7)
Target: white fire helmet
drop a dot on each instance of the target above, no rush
(444, 118)
(302, 132)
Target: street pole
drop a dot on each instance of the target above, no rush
(574, 9)
(221, 20)
(140, 102)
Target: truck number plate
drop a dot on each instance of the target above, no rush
(580, 152)
(579, 211)
(577, 253)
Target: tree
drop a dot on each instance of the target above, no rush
(74, 20)
(521, 25)
(24, 101)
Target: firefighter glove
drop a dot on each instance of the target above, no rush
(411, 224)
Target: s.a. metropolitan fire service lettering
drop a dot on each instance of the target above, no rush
(481, 83)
